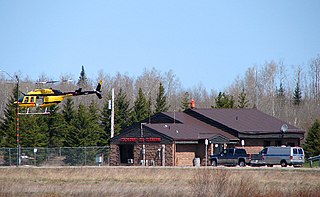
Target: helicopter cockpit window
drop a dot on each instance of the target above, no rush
(32, 100)
(26, 100)
(20, 99)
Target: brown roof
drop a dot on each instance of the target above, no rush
(189, 128)
(250, 121)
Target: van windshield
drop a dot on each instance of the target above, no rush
(264, 151)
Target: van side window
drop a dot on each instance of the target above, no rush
(295, 151)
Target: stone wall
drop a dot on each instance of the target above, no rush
(153, 155)
(114, 155)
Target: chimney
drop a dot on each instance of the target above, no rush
(193, 104)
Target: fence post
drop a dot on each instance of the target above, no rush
(10, 156)
(85, 156)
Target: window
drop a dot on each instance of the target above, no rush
(264, 151)
(300, 151)
(295, 151)
(240, 151)
(26, 100)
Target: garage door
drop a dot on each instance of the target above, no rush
(185, 155)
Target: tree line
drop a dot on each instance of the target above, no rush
(290, 93)
(81, 125)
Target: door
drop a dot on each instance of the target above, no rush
(126, 153)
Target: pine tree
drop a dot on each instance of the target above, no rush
(161, 100)
(83, 80)
(185, 101)
(242, 100)
(68, 111)
(34, 131)
(281, 97)
(94, 129)
(57, 127)
(8, 122)
(76, 136)
(223, 101)
(312, 143)
(297, 95)
(122, 111)
(140, 111)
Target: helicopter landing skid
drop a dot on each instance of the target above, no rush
(35, 112)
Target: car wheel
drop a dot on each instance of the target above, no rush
(242, 164)
(283, 163)
(214, 163)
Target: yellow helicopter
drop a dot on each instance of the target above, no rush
(47, 97)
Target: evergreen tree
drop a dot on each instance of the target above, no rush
(76, 137)
(161, 100)
(8, 122)
(223, 101)
(242, 100)
(94, 128)
(281, 97)
(57, 127)
(68, 111)
(122, 112)
(280, 91)
(34, 131)
(83, 80)
(312, 143)
(185, 101)
(140, 111)
(297, 95)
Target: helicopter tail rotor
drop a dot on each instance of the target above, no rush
(98, 90)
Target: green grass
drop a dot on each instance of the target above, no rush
(315, 164)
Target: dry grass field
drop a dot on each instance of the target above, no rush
(139, 181)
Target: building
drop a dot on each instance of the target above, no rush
(177, 138)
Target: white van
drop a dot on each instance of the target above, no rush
(275, 155)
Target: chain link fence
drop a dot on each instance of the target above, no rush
(60, 156)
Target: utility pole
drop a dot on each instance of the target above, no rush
(112, 113)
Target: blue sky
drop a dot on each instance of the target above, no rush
(209, 42)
